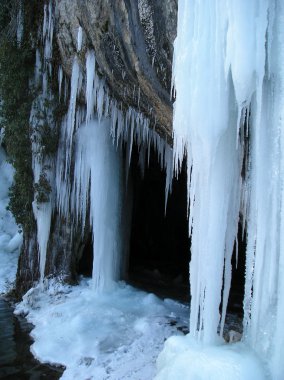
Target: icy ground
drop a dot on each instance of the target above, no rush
(115, 336)
(10, 238)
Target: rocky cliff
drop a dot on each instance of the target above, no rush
(133, 44)
(132, 41)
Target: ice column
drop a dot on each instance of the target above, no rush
(219, 67)
(41, 116)
(98, 183)
(229, 82)
(264, 288)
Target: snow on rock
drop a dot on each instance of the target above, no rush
(114, 335)
(10, 238)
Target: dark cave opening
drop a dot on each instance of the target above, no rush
(159, 247)
(236, 296)
(159, 243)
(84, 265)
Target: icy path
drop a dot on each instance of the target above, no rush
(113, 336)
(10, 239)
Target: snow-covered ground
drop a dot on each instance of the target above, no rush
(126, 334)
(10, 238)
(185, 358)
(116, 335)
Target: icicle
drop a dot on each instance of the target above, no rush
(90, 86)
(98, 164)
(264, 289)
(60, 78)
(209, 137)
(42, 213)
(47, 35)
(169, 173)
(79, 39)
(20, 24)
(69, 124)
(43, 166)
(228, 61)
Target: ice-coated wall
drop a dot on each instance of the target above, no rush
(228, 79)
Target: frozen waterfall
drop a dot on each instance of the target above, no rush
(98, 182)
(92, 138)
(229, 82)
(41, 120)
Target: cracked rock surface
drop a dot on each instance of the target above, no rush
(133, 44)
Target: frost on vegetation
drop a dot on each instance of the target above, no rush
(229, 85)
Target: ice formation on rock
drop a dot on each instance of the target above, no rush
(98, 183)
(10, 237)
(229, 78)
(41, 118)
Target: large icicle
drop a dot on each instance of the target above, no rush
(70, 123)
(129, 127)
(100, 131)
(229, 82)
(276, 278)
(121, 128)
(41, 116)
(97, 180)
(264, 293)
(207, 128)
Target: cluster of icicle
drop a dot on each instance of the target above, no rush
(229, 83)
(42, 116)
(88, 175)
(125, 127)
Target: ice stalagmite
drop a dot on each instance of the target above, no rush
(228, 78)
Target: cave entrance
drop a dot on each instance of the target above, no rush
(237, 290)
(84, 265)
(159, 243)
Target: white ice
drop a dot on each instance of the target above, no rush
(40, 117)
(115, 335)
(184, 358)
(10, 237)
(98, 184)
(229, 84)
(79, 38)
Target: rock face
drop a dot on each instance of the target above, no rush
(133, 43)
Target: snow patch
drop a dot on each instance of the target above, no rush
(114, 335)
